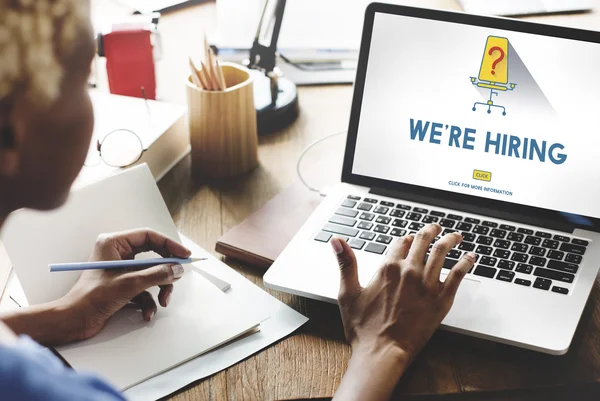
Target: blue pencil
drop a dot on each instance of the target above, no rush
(121, 264)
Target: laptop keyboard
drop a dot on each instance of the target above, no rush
(505, 252)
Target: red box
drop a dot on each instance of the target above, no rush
(130, 63)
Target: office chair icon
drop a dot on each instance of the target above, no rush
(493, 74)
(490, 102)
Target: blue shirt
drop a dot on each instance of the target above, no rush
(30, 372)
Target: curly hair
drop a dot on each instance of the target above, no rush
(36, 37)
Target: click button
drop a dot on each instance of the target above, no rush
(482, 175)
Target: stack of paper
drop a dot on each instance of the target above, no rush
(129, 350)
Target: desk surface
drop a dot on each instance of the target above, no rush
(311, 363)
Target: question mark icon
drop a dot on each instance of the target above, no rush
(499, 59)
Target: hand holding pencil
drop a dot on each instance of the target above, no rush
(98, 294)
(210, 76)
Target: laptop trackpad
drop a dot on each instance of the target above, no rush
(463, 302)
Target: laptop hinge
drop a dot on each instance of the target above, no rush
(499, 214)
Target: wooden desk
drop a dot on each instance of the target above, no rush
(311, 363)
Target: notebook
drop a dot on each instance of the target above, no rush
(260, 238)
(128, 351)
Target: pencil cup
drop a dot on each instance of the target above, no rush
(223, 131)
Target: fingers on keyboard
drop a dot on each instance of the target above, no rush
(507, 253)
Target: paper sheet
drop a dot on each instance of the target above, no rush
(283, 321)
(34, 239)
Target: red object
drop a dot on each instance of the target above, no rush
(499, 59)
(130, 63)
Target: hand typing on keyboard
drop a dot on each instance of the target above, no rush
(388, 322)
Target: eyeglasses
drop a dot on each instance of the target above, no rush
(119, 148)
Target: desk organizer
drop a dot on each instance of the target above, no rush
(223, 131)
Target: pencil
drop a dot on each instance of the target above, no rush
(220, 74)
(208, 62)
(206, 50)
(195, 76)
(209, 80)
(213, 72)
(121, 264)
(202, 83)
(202, 78)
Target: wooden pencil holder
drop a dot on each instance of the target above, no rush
(223, 131)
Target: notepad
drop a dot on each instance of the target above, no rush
(129, 350)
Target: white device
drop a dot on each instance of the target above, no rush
(486, 126)
(525, 7)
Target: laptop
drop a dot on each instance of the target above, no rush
(525, 7)
(487, 126)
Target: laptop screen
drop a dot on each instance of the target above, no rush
(491, 113)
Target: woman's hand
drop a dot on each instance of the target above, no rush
(388, 322)
(98, 294)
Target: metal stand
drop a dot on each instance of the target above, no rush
(275, 97)
(490, 104)
(492, 86)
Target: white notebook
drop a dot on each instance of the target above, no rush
(128, 351)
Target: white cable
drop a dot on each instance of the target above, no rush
(306, 149)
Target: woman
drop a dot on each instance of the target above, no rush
(46, 120)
